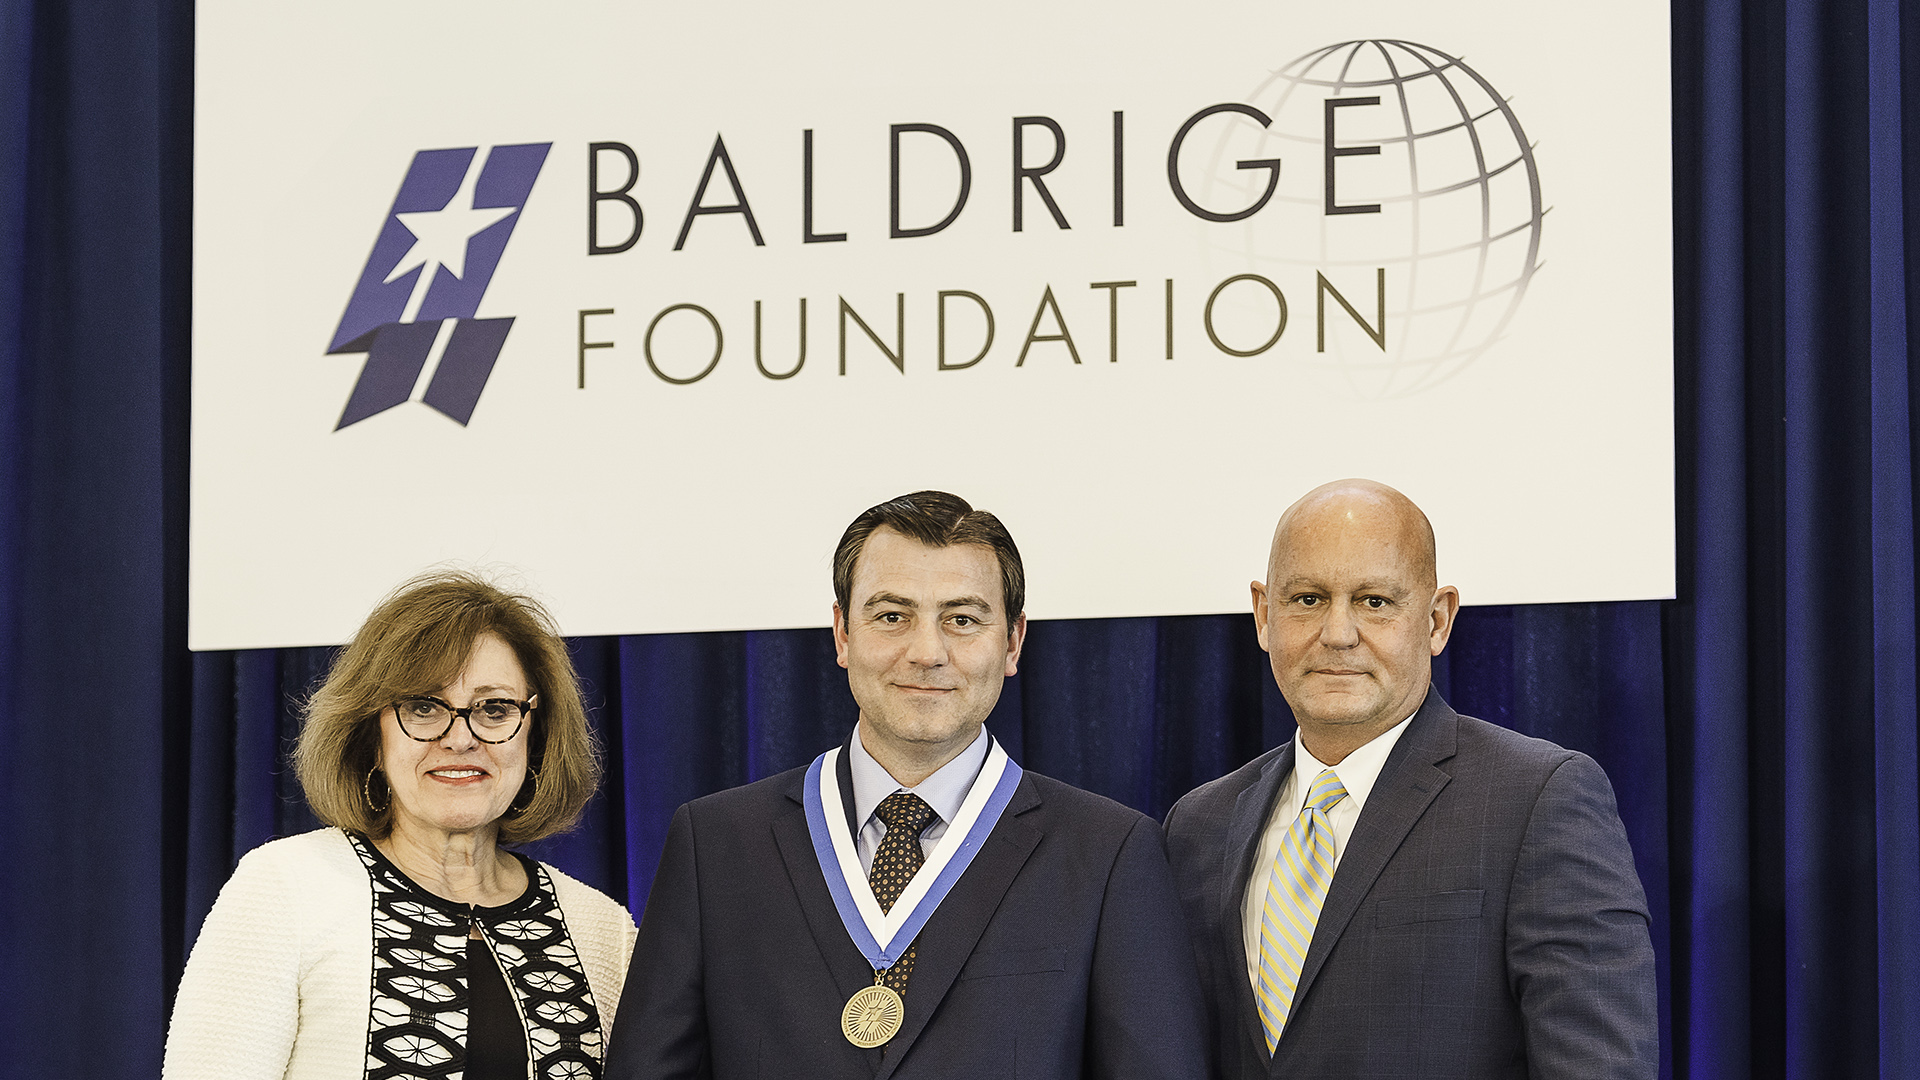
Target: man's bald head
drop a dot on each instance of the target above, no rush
(1355, 502)
(1351, 614)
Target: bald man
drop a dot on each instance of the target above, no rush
(1399, 890)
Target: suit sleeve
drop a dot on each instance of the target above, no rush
(238, 1007)
(1143, 997)
(1579, 956)
(660, 1032)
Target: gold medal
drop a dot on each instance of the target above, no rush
(872, 1016)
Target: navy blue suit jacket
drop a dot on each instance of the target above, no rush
(1060, 953)
(1485, 921)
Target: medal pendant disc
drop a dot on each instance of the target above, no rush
(872, 1016)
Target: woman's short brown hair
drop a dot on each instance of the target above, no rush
(416, 642)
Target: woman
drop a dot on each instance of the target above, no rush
(404, 940)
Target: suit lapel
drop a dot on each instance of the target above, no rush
(849, 969)
(950, 935)
(1407, 785)
(1250, 813)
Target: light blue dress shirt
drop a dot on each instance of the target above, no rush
(945, 790)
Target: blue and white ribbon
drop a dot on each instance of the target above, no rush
(883, 936)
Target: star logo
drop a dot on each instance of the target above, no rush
(414, 312)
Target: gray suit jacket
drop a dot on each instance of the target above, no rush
(1485, 921)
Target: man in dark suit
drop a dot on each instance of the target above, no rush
(912, 905)
(1399, 890)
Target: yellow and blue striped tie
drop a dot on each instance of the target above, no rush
(1294, 894)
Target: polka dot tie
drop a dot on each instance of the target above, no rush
(906, 816)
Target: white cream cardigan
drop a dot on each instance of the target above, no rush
(281, 979)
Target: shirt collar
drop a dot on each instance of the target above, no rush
(1360, 769)
(945, 790)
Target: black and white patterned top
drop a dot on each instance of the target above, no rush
(418, 1024)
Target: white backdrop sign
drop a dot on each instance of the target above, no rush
(640, 304)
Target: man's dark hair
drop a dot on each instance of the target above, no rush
(936, 519)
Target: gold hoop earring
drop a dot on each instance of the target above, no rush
(533, 779)
(366, 792)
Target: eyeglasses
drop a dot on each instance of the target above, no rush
(492, 720)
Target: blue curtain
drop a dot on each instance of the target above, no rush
(1760, 730)
(1791, 652)
(95, 679)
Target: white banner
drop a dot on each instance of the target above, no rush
(523, 288)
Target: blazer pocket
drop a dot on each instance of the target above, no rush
(988, 965)
(1434, 907)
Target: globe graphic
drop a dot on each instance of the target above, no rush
(1455, 221)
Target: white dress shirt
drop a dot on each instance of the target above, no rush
(945, 790)
(1357, 773)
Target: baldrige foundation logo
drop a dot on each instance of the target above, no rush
(414, 310)
(1372, 208)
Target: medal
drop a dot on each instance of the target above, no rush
(872, 1016)
(876, 1013)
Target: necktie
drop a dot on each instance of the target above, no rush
(894, 864)
(1294, 894)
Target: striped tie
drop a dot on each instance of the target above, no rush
(1295, 892)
